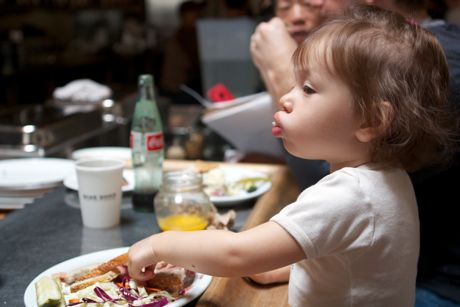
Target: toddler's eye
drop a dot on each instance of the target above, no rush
(308, 90)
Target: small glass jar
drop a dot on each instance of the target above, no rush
(181, 203)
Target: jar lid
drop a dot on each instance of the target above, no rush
(182, 179)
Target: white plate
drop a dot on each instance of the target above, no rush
(122, 153)
(198, 286)
(234, 174)
(34, 173)
(71, 182)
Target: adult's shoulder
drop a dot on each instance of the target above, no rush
(447, 31)
(448, 35)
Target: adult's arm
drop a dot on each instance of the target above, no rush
(271, 48)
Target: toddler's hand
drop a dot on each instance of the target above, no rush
(141, 261)
(275, 276)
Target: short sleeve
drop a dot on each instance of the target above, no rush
(333, 216)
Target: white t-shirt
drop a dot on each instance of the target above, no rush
(359, 230)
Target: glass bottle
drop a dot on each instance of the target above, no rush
(194, 145)
(147, 145)
(176, 151)
(182, 203)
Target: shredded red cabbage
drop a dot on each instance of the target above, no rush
(125, 281)
(128, 295)
(102, 294)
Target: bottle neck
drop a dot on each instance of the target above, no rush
(146, 92)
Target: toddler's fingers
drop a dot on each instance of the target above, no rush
(140, 273)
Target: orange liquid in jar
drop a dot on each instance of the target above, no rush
(184, 222)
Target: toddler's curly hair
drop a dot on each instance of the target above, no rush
(383, 58)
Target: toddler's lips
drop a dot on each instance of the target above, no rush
(276, 129)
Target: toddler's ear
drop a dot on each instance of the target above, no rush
(366, 134)
(383, 117)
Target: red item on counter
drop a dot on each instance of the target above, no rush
(219, 93)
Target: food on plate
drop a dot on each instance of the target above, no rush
(85, 283)
(171, 278)
(48, 292)
(109, 284)
(100, 269)
(216, 183)
(250, 184)
(203, 167)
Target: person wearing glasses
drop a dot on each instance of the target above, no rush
(272, 46)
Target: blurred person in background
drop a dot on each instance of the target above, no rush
(181, 63)
(453, 11)
(236, 8)
(274, 41)
(272, 45)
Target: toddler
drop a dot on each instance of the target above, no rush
(370, 99)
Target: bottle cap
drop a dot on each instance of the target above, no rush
(145, 79)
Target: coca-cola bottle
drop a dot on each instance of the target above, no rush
(147, 145)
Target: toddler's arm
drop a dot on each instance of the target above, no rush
(216, 252)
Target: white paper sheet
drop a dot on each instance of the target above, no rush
(247, 126)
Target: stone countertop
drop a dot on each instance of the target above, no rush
(49, 231)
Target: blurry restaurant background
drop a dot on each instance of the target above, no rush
(69, 70)
(45, 45)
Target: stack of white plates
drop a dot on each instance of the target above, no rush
(22, 180)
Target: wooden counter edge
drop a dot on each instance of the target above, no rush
(230, 292)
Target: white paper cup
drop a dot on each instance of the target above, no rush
(99, 191)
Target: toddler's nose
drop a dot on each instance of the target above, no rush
(284, 104)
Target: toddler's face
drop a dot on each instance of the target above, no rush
(318, 120)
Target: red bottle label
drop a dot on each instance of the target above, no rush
(154, 141)
(132, 140)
